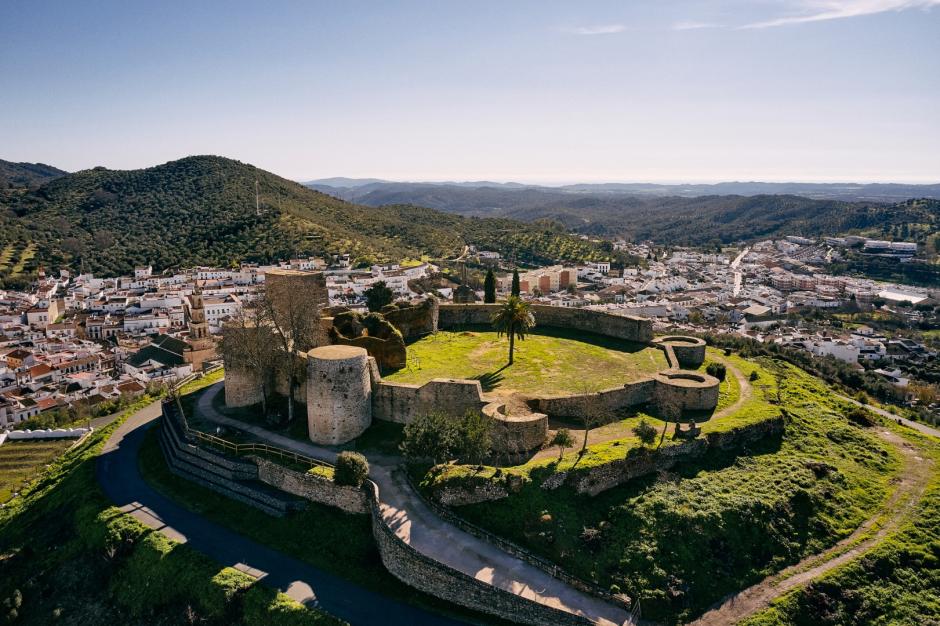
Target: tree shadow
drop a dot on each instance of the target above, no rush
(490, 380)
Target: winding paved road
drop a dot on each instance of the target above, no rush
(120, 478)
(418, 526)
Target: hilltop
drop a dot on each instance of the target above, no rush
(202, 210)
(26, 174)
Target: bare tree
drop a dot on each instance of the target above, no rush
(294, 320)
(592, 413)
(248, 344)
(669, 409)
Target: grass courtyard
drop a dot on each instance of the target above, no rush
(21, 460)
(547, 362)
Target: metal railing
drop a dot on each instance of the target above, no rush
(243, 449)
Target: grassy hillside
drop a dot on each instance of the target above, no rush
(685, 538)
(68, 557)
(201, 210)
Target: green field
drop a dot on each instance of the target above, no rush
(546, 362)
(21, 460)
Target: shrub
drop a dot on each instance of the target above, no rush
(718, 370)
(430, 437)
(351, 469)
(860, 416)
(754, 376)
(646, 432)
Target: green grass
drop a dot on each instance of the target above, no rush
(21, 460)
(896, 583)
(684, 539)
(547, 362)
(75, 559)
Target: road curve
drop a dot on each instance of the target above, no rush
(119, 476)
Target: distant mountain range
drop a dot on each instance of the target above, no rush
(201, 210)
(664, 219)
(355, 188)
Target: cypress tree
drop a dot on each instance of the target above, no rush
(515, 283)
(489, 287)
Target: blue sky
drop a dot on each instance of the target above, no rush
(549, 92)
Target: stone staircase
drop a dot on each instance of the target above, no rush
(228, 476)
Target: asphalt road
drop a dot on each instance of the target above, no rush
(117, 472)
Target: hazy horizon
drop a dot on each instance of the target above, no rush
(678, 92)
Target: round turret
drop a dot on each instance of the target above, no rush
(339, 394)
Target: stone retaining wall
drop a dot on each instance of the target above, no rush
(644, 461)
(637, 329)
(425, 574)
(311, 487)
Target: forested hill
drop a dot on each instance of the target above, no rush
(671, 220)
(26, 174)
(201, 210)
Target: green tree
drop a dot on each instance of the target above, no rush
(351, 469)
(562, 439)
(430, 437)
(515, 283)
(378, 296)
(718, 370)
(489, 287)
(645, 432)
(515, 320)
(474, 437)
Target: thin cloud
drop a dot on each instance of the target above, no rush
(820, 11)
(602, 29)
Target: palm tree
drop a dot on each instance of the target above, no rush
(514, 319)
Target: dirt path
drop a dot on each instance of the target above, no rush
(902, 503)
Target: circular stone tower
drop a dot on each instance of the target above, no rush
(339, 393)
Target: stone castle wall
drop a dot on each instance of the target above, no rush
(400, 402)
(644, 461)
(416, 320)
(311, 487)
(241, 388)
(622, 327)
(516, 433)
(608, 400)
(439, 580)
(339, 394)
